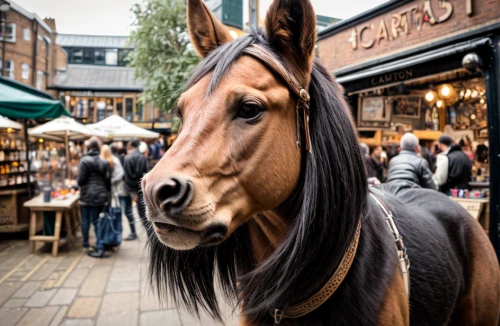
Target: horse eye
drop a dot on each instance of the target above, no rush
(177, 112)
(250, 111)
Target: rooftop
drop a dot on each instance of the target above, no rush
(92, 41)
(89, 77)
(30, 15)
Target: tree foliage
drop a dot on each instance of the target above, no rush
(162, 55)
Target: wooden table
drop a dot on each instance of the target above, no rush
(61, 207)
(479, 208)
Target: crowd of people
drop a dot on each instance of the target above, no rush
(414, 165)
(110, 176)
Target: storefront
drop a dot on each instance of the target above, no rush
(94, 106)
(430, 67)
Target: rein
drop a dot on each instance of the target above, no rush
(307, 306)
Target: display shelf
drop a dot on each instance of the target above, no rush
(17, 173)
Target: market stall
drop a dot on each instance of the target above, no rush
(18, 101)
(431, 72)
(65, 129)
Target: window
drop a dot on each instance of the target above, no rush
(39, 79)
(99, 57)
(122, 57)
(27, 34)
(233, 13)
(11, 32)
(129, 109)
(88, 56)
(77, 56)
(25, 71)
(9, 68)
(111, 57)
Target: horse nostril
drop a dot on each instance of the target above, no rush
(175, 194)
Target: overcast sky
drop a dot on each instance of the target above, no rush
(113, 17)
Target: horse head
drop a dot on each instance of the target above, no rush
(236, 152)
(235, 196)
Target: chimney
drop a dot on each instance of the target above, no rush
(51, 22)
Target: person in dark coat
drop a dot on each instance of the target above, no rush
(408, 169)
(375, 164)
(94, 179)
(454, 167)
(135, 166)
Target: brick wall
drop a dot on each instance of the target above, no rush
(21, 51)
(336, 51)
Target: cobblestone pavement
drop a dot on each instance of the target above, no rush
(76, 290)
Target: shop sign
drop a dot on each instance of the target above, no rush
(401, 23)
(392, 77)
(96, 94)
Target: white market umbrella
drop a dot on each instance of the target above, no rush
(118, 129)
(66, 129)
(7, 123)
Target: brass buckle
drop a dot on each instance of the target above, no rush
(278, 315)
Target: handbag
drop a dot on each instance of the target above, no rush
(110, 226)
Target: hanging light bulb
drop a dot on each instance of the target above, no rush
(472, 116)
(481, 101)
(429, 97)
(468, 93)
(462, 93)
(445, 91)
(474, 94)
(439, 104)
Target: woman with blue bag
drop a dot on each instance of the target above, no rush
(111, 221)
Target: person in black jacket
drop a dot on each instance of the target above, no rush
(408, 169)
(135, 166)
(454, 167)
(94, 179)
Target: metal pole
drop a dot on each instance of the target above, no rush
(28, 158)
(493, 100)
(68, 163)
(4, 36)
(254, 23)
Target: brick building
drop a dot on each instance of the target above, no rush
(96, 82)
(430, 67)
(31, 54)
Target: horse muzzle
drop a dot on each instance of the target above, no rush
(176, 223)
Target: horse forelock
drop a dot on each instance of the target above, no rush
(325, 209)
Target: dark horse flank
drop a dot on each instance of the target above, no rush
(235, 200)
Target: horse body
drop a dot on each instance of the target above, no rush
(235, 198)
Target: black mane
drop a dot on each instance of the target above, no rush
(324, 211)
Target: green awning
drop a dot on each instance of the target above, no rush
(18, 101)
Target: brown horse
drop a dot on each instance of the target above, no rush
(235, 199)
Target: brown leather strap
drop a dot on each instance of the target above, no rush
(328, 289)
(275, 65)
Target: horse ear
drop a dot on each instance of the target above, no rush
(205, 30)
(291, 31)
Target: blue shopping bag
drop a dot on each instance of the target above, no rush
(110, 227)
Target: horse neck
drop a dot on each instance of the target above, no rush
(266, 231)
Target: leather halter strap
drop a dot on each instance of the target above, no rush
(327, 290)
(261, 54)
(404, 261)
